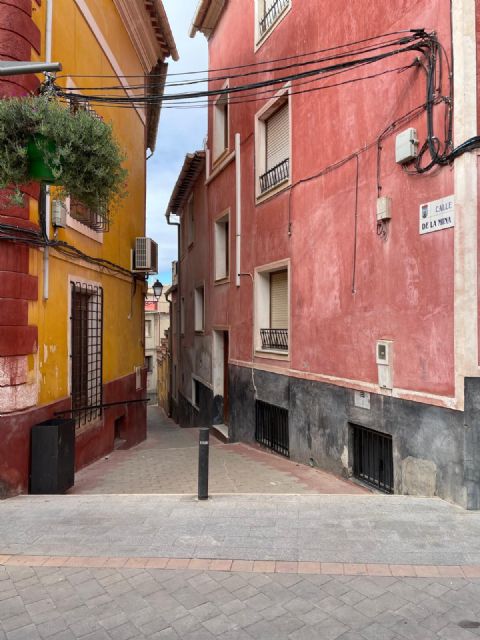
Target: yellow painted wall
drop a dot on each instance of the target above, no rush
(76, 46)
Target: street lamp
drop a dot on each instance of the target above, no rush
(157, 289)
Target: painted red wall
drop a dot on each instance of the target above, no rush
(404, 284)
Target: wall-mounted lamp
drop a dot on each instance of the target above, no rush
(157, 289)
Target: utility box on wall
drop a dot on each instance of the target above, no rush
(52, 468)
(384, 358)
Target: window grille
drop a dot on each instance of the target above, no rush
(86, 351)
(373, 458)
(271, 427)
(273, 9)
(94, 220)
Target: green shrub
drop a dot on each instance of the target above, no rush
(85, 159)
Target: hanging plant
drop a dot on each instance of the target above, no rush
(41, 139)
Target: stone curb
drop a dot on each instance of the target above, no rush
(246, 566)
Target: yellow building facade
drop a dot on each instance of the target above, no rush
(88, 312)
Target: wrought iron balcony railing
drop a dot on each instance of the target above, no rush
(272, 15)
(274, 339)
(275, 175)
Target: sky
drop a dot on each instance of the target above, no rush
(180, 132)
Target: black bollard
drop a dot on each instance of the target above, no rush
(203, 450)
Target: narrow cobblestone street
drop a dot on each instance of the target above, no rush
(167, 463)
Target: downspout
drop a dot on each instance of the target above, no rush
(238, 197)
(46, 251)
(179, 304)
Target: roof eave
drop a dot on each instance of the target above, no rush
(206, 17)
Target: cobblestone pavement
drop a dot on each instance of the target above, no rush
(167, 463)
(133, 603)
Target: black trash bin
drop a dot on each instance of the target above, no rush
(52, 456)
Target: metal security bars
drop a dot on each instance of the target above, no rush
(96, 221)
(274, 339)
(86, 351)
(271, 427)
(372, 458)
(273, 10)
(275, 175)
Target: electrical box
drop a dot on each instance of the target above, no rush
(384, 208)
(384, 359)
(59, 214)
(406, 146)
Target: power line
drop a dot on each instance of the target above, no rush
(260, 62)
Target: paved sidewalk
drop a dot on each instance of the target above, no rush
(258, 567)
(167, 463)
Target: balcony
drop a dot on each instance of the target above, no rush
(274, 339)
(277, 174)
(272, 15)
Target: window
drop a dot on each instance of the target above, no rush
(86, 351)
(190, 221)
(272, 309)
(268, 14)
(195, 392)
(182, 316)
(222, 249)
(220, 127)
(149, 363)
(200, 308)
(273, 146)
(148, 328)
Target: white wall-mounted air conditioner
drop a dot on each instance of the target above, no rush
(145, 256)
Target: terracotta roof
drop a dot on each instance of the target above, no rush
(192, 167)
(161, 26)
(207, 16)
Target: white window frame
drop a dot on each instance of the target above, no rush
(222, 253)
(262, 307)
(261, 118)
(221, 112)
(259, 38)
(199, 308)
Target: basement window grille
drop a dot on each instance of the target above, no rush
(86, 351)
(271, 427)
(373, 458)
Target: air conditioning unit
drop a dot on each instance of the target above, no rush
(174, 272)
(145, 256)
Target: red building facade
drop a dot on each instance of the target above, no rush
(350, 299)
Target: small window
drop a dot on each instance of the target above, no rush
(200, 308)
(190, 221)
(269, 13)
(273, 147)
(272, 310)
(182, 316)
(220, 127)
(148, 328)
(195, 392)
(222, 248)
(149, 363)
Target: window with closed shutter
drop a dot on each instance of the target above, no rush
(277, 138)
(279, 300)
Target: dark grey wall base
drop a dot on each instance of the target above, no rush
(436, 451)
(190, 416)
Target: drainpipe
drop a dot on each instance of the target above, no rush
(179, 306)
(48, 58)
(238, 187)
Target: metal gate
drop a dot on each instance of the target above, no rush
(271, 427)
(373, 458)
